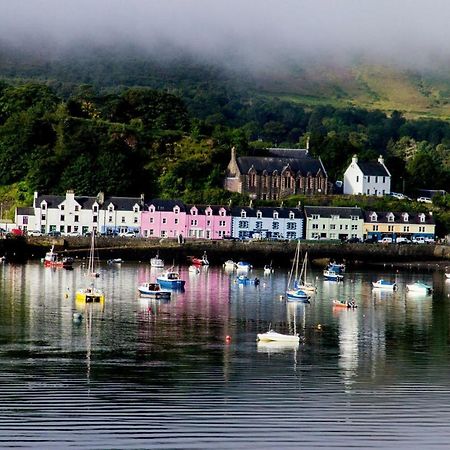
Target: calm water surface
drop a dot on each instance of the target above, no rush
(139, 373)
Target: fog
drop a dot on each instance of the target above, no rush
(252, 32)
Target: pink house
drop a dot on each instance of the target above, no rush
(164, 218)
(208, 222)
(172, 219)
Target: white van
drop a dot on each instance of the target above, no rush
(418, 240)
(386, 240)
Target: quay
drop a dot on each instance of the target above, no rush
(256, 252)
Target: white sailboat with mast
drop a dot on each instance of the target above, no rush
(294, 292)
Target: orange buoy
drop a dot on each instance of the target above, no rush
(228, 338)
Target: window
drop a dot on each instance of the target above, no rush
(374, 227)
(354, 217)
(110, 219)
(76, 218)
(276, 225)
(208, 223)
(151, 220)
(422, 218)
(136, 209)
(135, 220)
(95, 208)
(222, 212)
(176, 210)
(391, 228)
(406, 229)
(357, 178)
(221, 223)
(315, 216)
(243, 214)
(291, 226)
(315, 226)
(275, 215)
(194, 222)
(43, 206)
(176, 221)
(163, 233)
(291, 235)
(376, 179)
(332, 226)
(123, 219)
(110, 208)
(62, 207)
(258, 225)
(291, 215)
(368, 178)
(208, 213)
(390, 217)
(334, 217)
(193, 212)
(373, 218)
(164, 220)
(332, 235)
(150, 232)
(368, 191)
(94, 219)
(384, 180)
(61, 228)
(77, 208)
(354, 227)
(43, 217)
(243, 224)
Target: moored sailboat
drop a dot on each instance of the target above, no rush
(294, 292)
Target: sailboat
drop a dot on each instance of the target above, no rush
(91, 294)
(302, 282)
(294, 292)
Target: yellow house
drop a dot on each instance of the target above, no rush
(414, 226)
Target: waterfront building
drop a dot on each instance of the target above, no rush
(368, 178)
(267, 223)
(82, 214)
(330, 222)
(24, 219)
(379, 225)
(174, 219)
(282, 172)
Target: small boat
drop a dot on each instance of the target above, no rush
(53, 259)
(91, 294)
(157, 262)
(193, 269)
(331, 275)
(171, 280)
(268, 269)
(153, 290)
(115, 261)
(419, 287)
(229, 265)
(243, 265)
(339, 268)
(271, 335)
(447, 274)
(293, 292)
(297, 295)
(383, 284)
(349, 304)
(203, 261)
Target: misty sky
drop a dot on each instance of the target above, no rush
(258, 30)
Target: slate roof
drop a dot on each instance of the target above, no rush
(303, 165)
(414, 218)
(86, 202)
(267, 211)
(373, 168)
(215, 209)
(328, 211)
(165, 205)
(25, 211)
(52, 200)
(122, 203)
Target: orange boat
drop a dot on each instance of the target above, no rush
(348, 304)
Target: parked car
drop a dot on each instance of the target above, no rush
(429, 240)
(16, 232)
(403, 240)
(73, 234)
(424, 200)
(353, 240)
(386, 240)
(371, 240)
(54, 233)
(418, 240)
(399, 196)
(34, 233)
(129, 234)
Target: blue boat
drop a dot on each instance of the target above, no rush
(332, 275)
(297, 295)
(244, 279)
(170, 280)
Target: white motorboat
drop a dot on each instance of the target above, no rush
(274, 336)
(153, 290)
(243, 266)
(229, 265)
(419, 287)
(383, 284)
(193, 269)
(157, 262)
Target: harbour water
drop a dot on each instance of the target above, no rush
(137, 373)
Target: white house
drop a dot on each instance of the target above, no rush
(82, 214)
(267, 222)
(368, 178)
(330, 222)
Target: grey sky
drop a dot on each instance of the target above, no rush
(259, 30)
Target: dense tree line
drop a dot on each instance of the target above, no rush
(151, 141)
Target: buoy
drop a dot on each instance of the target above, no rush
(281, 297)
(228, 338)
(319, 326)
(77, 317)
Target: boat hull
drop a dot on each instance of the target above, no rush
(345, 305)
(171, 284)
(94, 296)
(272, 336)
(419, 288)
(333, 276)
(385, 286)
(297, 295)
(159, 295)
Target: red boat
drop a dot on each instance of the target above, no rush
(53, 259)
(203, 261)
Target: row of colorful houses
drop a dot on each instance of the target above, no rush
(158, 218)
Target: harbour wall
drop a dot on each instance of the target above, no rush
(256, 252)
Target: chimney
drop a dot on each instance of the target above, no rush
(101, 198)
(381, 159)
(142, 199)
(307, 144)
(70, 195)
(251, 203)
(355, 159)
(35, 196)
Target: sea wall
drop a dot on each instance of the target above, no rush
(256, 252)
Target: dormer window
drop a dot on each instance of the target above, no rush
(151, 209)
(43, 205)
(193, 212)
(243, 214)
(95, 208)
(373, 217)
(61, 207)
(222, 212)
(110, 208)
(208, 212)
(405, 217)
(422, 217)
(291, 215)
(176, 210)
(259, 215)
(390, 217)
(334, 217)
(136, 209)
(275, 215)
